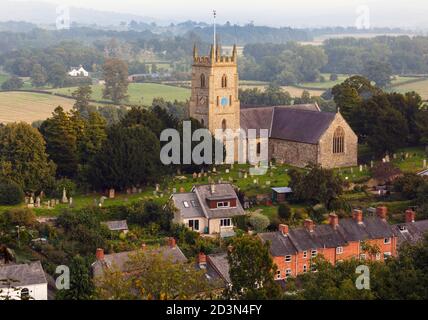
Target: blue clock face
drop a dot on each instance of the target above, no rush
(224, 101)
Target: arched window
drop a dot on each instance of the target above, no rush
(339, 141)
(224, 81)
(203, 84)
(259, 148)
(224, 125)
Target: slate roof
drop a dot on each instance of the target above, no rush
(193, 211)
(120, 260)
(411, 232)
(325, 236)
(423, 173)
(279, 244)
(371, 228)
(26, 274)
(283, 190)
(302, 123)
(220, 265)
(116, 225)
(221, 190)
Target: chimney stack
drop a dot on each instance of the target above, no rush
(100, 254)
(382, 212)
(357, 215)
(212, 188)
(172, 242)
(309, 225)
(410, 216)
(333, 220)
(202, 260)
(143, 246)
(283, 228)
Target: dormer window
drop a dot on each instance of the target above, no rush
(223, 204)
(186, 204)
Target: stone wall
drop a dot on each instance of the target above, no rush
(347, 159)
(293, 153)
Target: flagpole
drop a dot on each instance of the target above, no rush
(215, 40)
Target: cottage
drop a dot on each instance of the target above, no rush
(411, 231)
(208, 209)
(281, 194)
(78, 72)
(29, 281)
(293, 250)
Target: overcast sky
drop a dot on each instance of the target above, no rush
(297, 13)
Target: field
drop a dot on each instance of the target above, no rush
(29, 107)
(420, 87)
(3, 78)
(139, 93)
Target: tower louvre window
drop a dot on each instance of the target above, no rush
(224, 81)
(203, 82)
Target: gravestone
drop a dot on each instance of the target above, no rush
(111, 193)
(199, 175)
(240, 175)
(157, 187)
(227, 171)
(42, 195)
(371, 164)
(140, 190)
(174, 190)
(361, 168)
(64, 196)
(37, 204)
(214, 169)
(134, 190)
(245, 175)
(70, 201)
(195, 175)
(268, 183)
(425, 163)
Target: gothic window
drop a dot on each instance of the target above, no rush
(339, 141)
(203, 84)
(202, 122)
(230, 100)
(224, 125)
(218, 101)
(224, 81)
(258, 148)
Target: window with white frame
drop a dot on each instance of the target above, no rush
(25, 294)
(339, 250)
(278, 274)
(186, 204)
(194, 225)
(387, 255)
(314, 267)
(305, 268)
(314, 253)
(288, 273)
(225, 222)
(287, 258)
(223, 204)
(363, 256)
(387, 240)
(305, 254)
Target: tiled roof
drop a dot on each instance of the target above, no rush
(220, 264)
(221, 190)
(120, 260)
(323, 236)
(279, 244)
(25, 274)
(371, 228)
(411, 232)
(300, 123)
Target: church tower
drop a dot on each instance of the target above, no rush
(214, 100)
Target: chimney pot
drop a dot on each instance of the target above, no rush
(202, 259)
(410, 216)
(382, 212)
(309, 225)
(172, 242)
(100, 254)
(283, 228)
(358, 216)
(334, 220)
(212, 188)
(143, 246)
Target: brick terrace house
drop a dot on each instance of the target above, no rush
(208, 209)
(293, 250)
(411, 231)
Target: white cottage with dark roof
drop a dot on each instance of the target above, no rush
(208, 209)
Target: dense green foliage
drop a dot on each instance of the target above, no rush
(11, 194)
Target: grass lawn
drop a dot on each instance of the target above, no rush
(414, 163)
(139, 93)
(3, 78)
(328, 84)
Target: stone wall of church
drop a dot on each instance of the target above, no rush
(349, 158)
(293, 153)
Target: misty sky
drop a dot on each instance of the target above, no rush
(296, 13)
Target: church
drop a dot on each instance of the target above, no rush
(298, 134)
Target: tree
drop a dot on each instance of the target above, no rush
(83, 96)
(409, 185)
(57, 74)
(421, 122)
(284, 211)
(13, 83)
(379, 72)
(115, 73)
(23, 157)
(259, 222)
(251, 270)
(154, 277)
(81, 284)
(129, 157)
(11, 193)
(60, 133)
(318, 185)
(385, 172)
(39, 77)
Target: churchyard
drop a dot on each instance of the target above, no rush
(257, 189)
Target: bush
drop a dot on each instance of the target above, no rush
(20, 217)
(259, 222)
(284, 211)
(11, 194)
(69, 185)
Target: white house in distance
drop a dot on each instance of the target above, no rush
(78, 72)
(208, 209)
(29, 281)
